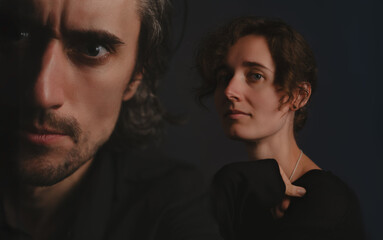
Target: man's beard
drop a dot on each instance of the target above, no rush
(36, 169)
(40, 165)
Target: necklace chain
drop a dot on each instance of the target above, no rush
(296, 165)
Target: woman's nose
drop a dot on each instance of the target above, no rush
(233, 90)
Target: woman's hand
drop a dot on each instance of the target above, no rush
(291, 191)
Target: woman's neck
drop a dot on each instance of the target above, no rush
(283, 148)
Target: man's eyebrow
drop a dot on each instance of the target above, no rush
(93, 35)
(255, 64)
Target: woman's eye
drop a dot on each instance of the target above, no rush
(255, 76)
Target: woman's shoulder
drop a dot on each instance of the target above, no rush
(325, 183)
(328, 201)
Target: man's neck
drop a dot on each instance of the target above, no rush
(31, 209)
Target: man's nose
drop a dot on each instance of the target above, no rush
(233, 90)
(48, 89)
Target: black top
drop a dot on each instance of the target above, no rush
(245, 192)
(126, 196)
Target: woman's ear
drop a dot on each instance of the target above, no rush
(301, 96)
(132, 86)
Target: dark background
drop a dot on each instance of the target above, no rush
(344, 130)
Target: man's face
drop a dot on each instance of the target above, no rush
(66, 67)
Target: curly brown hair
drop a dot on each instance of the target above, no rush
(294, 60)
(142, 118)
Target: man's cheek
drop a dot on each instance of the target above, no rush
(102, 116)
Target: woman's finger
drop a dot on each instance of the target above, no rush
(295, 191)
(284, 176)
(284, 204)
(279, 210)
(291, 190)
(277, 213)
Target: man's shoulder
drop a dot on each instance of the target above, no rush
(152, 172)
(144, 194)
(145, 166)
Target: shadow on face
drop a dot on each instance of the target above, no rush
(65, 70)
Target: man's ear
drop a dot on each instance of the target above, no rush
(132, 86)
(301, 96)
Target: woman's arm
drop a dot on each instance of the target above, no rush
(246, 193)
(291, 191)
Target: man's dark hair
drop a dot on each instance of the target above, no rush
(293, 58)
(142, 117)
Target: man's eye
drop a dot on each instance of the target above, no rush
(89, 53)
(24, 34)
(11, 34)
(95, 51)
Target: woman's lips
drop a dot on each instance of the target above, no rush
(236, 114)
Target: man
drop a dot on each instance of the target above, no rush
(78, 85)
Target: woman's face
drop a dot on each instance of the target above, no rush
(246, 99)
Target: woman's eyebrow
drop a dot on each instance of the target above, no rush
(255, 64)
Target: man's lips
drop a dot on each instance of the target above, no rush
(235, 114)
(44, 130)
(43, 136)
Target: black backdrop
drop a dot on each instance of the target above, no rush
(345, 126)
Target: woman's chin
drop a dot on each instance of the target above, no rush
(236, 134)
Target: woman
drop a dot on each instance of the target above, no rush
(262, 74)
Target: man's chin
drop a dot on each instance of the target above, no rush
(49, 168)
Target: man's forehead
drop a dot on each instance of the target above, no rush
(109, 15)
